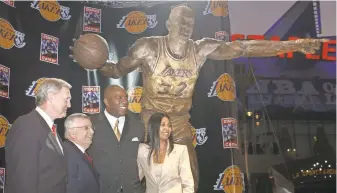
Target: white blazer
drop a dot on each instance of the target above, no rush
(176, 175)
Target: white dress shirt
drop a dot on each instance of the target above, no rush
(79, 147)
(50, 123)
(112, 120)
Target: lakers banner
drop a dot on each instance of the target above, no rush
(231, 180)
(51, 10)
(134, 97)
(217, 8)
(229, 133)
(137, 22)
(4, 127)
(92, 19)
(4, 81)
(9, 37)
(199, 136)
(223, 88)
(2, 179)
(91, 99)
(31, 91)
(49, 50)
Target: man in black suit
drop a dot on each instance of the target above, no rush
(115, 144)
(82, 175)
(35, 160)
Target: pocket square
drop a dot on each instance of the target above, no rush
(135, 139)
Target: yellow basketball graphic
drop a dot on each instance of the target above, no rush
(233, 180)
(7, 35)
(225, 88)
(38, 84)
(194, 136)
(50, 10)
(219, 8)
(134, 98)
(4, 127)
(136, 22)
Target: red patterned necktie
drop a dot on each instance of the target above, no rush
(87, 156)
(53, 130)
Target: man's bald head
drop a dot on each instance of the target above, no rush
(115, 100)
(111, 89)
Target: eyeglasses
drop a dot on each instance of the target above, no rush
(86, 127)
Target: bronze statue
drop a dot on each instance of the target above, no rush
(170, 67)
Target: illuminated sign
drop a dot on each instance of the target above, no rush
(328, 51)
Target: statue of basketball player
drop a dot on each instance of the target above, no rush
(170, 67)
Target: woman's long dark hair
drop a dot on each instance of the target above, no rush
(153, 140)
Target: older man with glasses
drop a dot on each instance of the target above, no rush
(82, 175)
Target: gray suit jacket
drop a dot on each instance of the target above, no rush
(34, 161)
(116, 162)
(82, 175)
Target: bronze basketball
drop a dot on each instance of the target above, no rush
(91, 51)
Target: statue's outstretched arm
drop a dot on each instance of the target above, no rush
(128, 63)
(221, 50)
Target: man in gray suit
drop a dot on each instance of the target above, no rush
(115, 144)
(35, 160)
(82, 175)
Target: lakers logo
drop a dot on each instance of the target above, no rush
(134, 98)
(194, 136)
(137, 22)
(223, 88)
(217, 8)
(10, 37)
(4, 127)
(231, 180)
(51, 10)
(34, 87)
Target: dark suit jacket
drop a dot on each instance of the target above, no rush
(34, 160)
(82, 175)
(116, 162)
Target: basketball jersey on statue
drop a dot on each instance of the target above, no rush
(170, 86)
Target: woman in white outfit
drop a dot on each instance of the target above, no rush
(165, 165)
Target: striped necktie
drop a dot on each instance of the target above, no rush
(87, 156)
(116, 131)
(53, 130)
